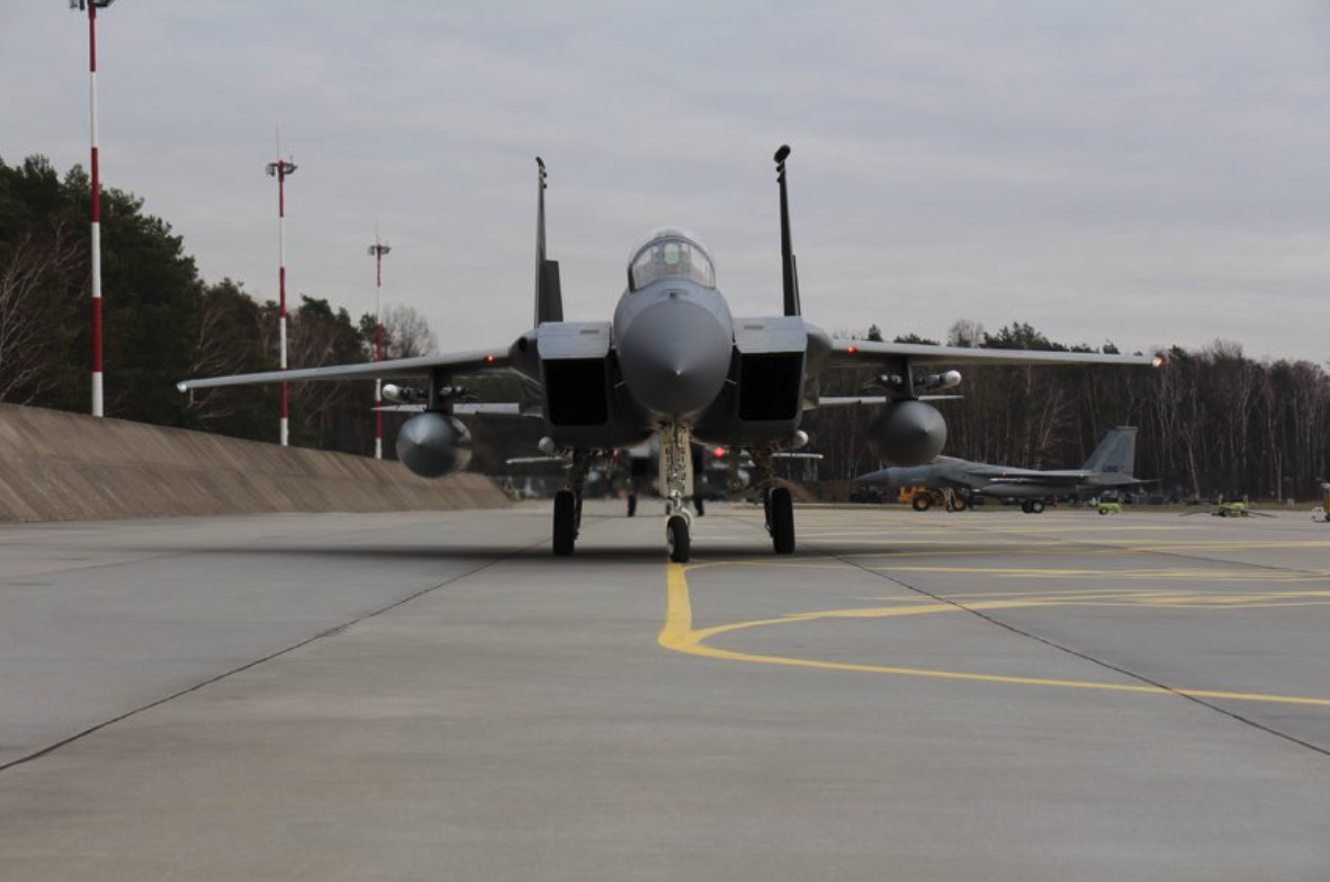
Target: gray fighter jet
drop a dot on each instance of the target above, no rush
(1108, 468)
(673, 363)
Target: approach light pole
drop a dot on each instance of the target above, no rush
(377, 251)
(96, 210)
(281, 170)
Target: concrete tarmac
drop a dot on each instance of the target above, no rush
(985, 695)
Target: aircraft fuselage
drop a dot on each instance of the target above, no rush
(675, 343)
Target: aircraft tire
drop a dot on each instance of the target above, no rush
(1036, 507)
(921, 502)
(782, 521)
(1025, 506)
(632, 505)
(676, 538)
(565, 523)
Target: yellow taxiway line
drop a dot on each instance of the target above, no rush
(679, 635)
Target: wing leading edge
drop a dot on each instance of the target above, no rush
(474, 361)
(848, 353)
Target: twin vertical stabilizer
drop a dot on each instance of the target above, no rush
(549, 295)
(1116, 454)
(789, 270)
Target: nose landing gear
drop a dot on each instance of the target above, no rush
(676, 479)
(677, 537)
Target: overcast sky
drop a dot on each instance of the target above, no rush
(1147, 173)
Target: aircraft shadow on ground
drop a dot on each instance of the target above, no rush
(588, 550)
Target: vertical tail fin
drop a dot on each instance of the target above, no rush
(1116, 454)
(549, 294)
(789, 270)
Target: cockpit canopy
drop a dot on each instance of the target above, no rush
(671, 253)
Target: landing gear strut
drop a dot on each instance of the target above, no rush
(676, 480)
(568, 505)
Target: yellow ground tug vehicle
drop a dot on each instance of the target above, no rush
(923, 498)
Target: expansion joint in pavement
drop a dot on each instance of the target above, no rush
(1103, 663)
(329, 632)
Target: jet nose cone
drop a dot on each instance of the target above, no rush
(674, 358)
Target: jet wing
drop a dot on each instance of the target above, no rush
(851, 400)
(474, 361)
(1061, 476)
(1014, 476)
(472, 408)
(850, 353)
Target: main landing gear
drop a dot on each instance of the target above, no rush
(780, 519)
(568, 505)
(1032, 506)
(777, 502)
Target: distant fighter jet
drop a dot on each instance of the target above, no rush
(1108, 468)
(675, 364)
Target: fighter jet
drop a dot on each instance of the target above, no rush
(1108, 468)
(675, 364)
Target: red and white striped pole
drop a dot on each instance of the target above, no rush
(281, 169)
(96, 210)
(378, 249)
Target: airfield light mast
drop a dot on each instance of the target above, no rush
(96, 210)
(377, 251)
(281, 170)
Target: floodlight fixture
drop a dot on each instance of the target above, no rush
(281, 168)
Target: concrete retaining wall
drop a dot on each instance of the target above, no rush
(64, 466)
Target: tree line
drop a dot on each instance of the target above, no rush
(1213, 421)
(164, 323)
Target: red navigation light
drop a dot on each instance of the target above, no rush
(852, 350)
(489, 359)
(718, 452)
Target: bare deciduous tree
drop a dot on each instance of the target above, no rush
(406, 333)
(222, 309)
(28, 273)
